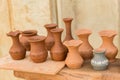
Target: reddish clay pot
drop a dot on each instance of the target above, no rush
(68, 22)
(111, 50)
(17, 51)
(25, 35)
(58, 51)
(74, 59)
(49, 41)
(38, 52)
(85, 49)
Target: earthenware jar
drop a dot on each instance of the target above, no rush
(49, 41)
(99, 61)
(38, 52)
(58, 51)
(68, 22)
(74, 59)
(25, 35)
(111, 50)
(85, 49)
(17, 51)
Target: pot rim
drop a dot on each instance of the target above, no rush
(52, 25)
(57, 30)
(99, 50)
(83, 32)
(13, 33)
(29, 32)
(67, 19)
(108, 33)
(36, 38)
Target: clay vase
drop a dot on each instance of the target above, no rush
(25, 35)
(58, 51)
(68, 22)
(111, 50)
(49, 41)
(99, 61)
(38, 52)
(17, 51)
(85, 49)
(74, 59)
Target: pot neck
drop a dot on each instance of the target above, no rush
(57, 37)
(98, 55)
(107, 40)
(49, 33)
(73, 49)
(84, 38)
(15, 40)
(68, 28)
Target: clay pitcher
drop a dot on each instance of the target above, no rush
(107, 37)
(74, 59)
(49, 41)
(68, 22)
(85, 49)
(58, 51)
(17, 51)
(25, 35)
(38, 52)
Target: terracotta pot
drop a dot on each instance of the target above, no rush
(49, 42)
(58, 51)
(111, 50)
(17, 51)
(67, 22)
(74, 59)
(25, 35)
(85, 49)
(38, 52)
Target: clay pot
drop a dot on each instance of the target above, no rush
(17, 51)
(58, 51)
(67, 22)
(74, 59)
(111, 50)
(25, 35)
(38, 52)
(85, 49)
(49, 42)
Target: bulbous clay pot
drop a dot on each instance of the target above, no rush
(38, 52)
(58, 51)
(25, 35)
(111, 50)
(85, 49)
(49, 41)
(74, 59)
(17, 51)
(68, 22)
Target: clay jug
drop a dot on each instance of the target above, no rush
(49, 41)
(25, 35)
(107, 38)
(68, 22)
(85, 49)
(58, 51)
(74, 59)
(38, 52)
(17, 51)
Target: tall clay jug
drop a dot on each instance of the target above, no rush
(68, 22)
(74, 59)
(58, 51)
(49, 41)
(17, 51)
(38, 52)
(85, 49)
(107, 37)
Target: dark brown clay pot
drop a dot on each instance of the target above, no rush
(68, 22)
(25, 35)
(85, 49)
(58, 51)
(17, 51)
(38, 52)
(49, 41)
(111, 50)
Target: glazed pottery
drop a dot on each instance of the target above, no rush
(99, 61)
(58, 51)
(49, 41)
(38, 52)
(25, 35)
(85, 49)
(67, 22)
(17, 51)
(74, 59)
(107, 37)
